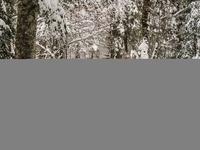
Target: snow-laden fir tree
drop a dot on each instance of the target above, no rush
(7, 28)
(191, 40)
(125, 31)
(70, 28)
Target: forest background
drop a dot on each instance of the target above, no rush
(125, 29)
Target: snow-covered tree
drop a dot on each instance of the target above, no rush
(166, 21)
(125, 31)
(191, 45)
(61, 29)
(7, 29)
(73, 25)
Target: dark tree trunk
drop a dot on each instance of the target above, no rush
(0, 7)
(195, 46)
(112, 56)
(119, 56)
(26, 29)
(145, 12)
(126, 41)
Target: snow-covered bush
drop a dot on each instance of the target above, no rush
(51, 29)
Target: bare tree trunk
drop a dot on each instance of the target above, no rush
(126, 41)
(0, 7)
(145, 12)
(26, 29)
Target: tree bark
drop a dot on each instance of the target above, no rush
(126, 41)
(0, 7)
(145, 12)
(26, 29)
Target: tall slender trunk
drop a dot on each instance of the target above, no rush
(26, 29)
(145, 12)
(195, 48)
(126, 40)
(0, 7)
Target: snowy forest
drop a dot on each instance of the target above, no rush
(99, 29)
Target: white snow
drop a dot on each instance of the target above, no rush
(2, 23)
(144, 50)
(95, 47)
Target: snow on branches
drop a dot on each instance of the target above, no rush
(78, 24)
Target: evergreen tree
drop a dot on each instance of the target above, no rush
(125, 32)
(189, 47)
(7, 30)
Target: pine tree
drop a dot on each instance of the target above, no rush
(125, 32)
(189, 45)
(166, 21)
(7, 30)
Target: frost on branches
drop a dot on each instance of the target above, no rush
(3, 26)
(66, 28)
(69, 29)
(192, 34)
(51, 29)
(7, 30)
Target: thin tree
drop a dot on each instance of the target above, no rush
(145, 12)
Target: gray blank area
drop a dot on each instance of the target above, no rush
(99, 105)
